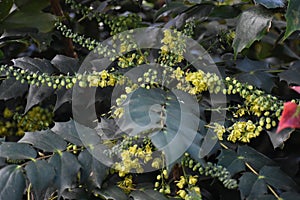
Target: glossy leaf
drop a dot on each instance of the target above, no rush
(5, 6)
(278, 139)
(113, 193)
(233, 163)
(278, 179)
(290, 117)
(17, 151)
(254, 73)
(63, 95)
(252, 25)
(41, 176)
(252, 186)
(12, 182)
(36, 95)
(66, 166)
(93, 171)
(34, 64)
(11, 88)
(292, 74)
(271, 3)
(256, 159)
(67, 130)
(66, 65)
(45, 140)
(292, 18)
(148, 194)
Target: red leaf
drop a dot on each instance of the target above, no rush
(296, 88)
(290, 117)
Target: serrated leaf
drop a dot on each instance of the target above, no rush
(67, 130)
(251, 26)
(36, 95)
(147, 194)
(12, 182)
(66, 65)
(41, 176)
(251, 186)
(292, 74)
(292, 18)
(45, 140)
(278, 179)
(256, 159)
(278, 139)
(93, 171)
(34, 64)
(17, 151)
(113, 193)
(63, 95)
(254, 73)
(66, 166)
(11, 88)
(271, 3)
(290, 117)
(233, 163)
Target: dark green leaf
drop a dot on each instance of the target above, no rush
(176, 7)
(252, 25)
(271, 3)
(292, 74)
(63, 95)
(45, 140)
(17, 151)
(41, 176)
(148, 194)
(254, 73)
(278, 179)
(290, 195)
(12, 182)
(256, 159)
(251, 186)
(66, 166)
(112, 193)
(292, 18)
(11, 88)
(278, 139)
(34, 64)
(66, 65)
(68, 131)
(5, 6)
(77, 193)
(225, 12)
(93, 171)
(233, 163)
(36, 95)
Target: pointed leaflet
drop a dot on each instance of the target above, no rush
(252, 25)
(93, 171)
(271, 3)
(290, 117)
(12, 182)
(17, 151)
(41, 175)
(66, 166)
(11, 88)
(45, 140)
(252, 186)
(278, 179)
(292, 18)
(63, 95)
(68, 131)
(292, 74)
(66, 65)
(34, 64)
(233, 162)
(36, 95)
(279, 139)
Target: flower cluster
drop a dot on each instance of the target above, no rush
(188, 189)
(243, 131)
(15, 124)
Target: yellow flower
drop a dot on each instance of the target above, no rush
(180, 184)
(7, 113)
(132, 150)
(164, 49)
(193, 180)
(104, 74)
(178, 73)
(182, 193)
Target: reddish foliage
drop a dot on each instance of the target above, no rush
(290, 117)
(296, 88)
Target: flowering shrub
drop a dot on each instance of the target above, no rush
(106, 100)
